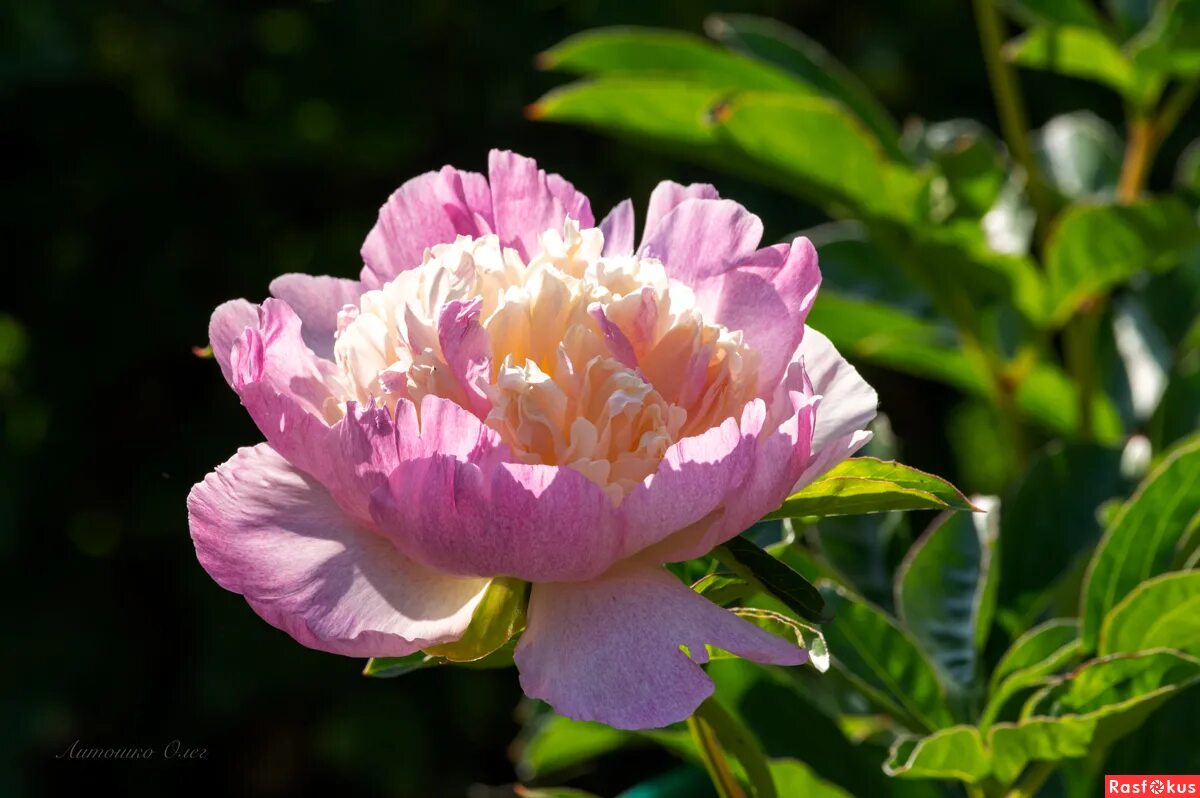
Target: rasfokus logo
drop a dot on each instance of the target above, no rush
(1151, 785)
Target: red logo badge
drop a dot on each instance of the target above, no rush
(1151, 785)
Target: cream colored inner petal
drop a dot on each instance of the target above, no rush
(596, 363)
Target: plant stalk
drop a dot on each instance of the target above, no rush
(729, 732)
(725, 783)
(1010, 107)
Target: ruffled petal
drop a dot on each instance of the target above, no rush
(608, 650)
(457, 504)
(701, 238)
(527, 202)
(285, 388)
(228, 322)
(267, 531)
(433, 208)
(317, 300)
(617, 228)
(667, 195)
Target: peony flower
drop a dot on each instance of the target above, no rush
(510, 390)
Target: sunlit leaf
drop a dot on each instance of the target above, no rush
(1141, 542)
(789, 49)
(820, 145)
(1163, 612)
(954, 753)
(1079, 52)
(391, 667)
(866, 485)
(1089, 710)
(1039, 653)
(1170, 42)
(499, 616)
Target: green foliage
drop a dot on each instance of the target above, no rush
(866, 485)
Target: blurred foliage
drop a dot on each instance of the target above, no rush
(165, 156)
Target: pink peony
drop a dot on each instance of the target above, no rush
(510, 390)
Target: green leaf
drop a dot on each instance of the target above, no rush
(967, 156)
(787, 48)
(1081, 155)
(1130, 15)
(943, 593)
(1049, 522)
(646, 52)
(856, 266)
(1079, 52)
(1089, 710)
(1036, 655)
(750, 562)
(793, 777)
(555, 744)
(822, 147)
(499, 616)
(667, 110)
(954, 753)
(1095, 247)
(883, 661)
(391, 667)
(722, 588)
(1141, 541)
(866, 485)
(1048, 396)
(1033, 648)
(875, 332)
(1163, 612)
(774, 704)
(1170, 42)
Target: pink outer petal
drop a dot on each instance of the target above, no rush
(609, 650)
(433, 208)
(269, 532)
(527, 202)
(767, 297)
(667, 195)
(695, 478)
(848, 405)
(228, 322)
(701, 238)
(455, 504)
(317, 300)
(284, 386)
(781, 455)
(617, 228)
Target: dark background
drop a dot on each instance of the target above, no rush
(161, 157)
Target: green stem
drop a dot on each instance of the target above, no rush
(738, 740)
(715, 763)
(1035, 776)
(1009, 105)
(1079, 344)
(1174, 108)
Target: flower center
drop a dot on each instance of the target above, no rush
(597, 363)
